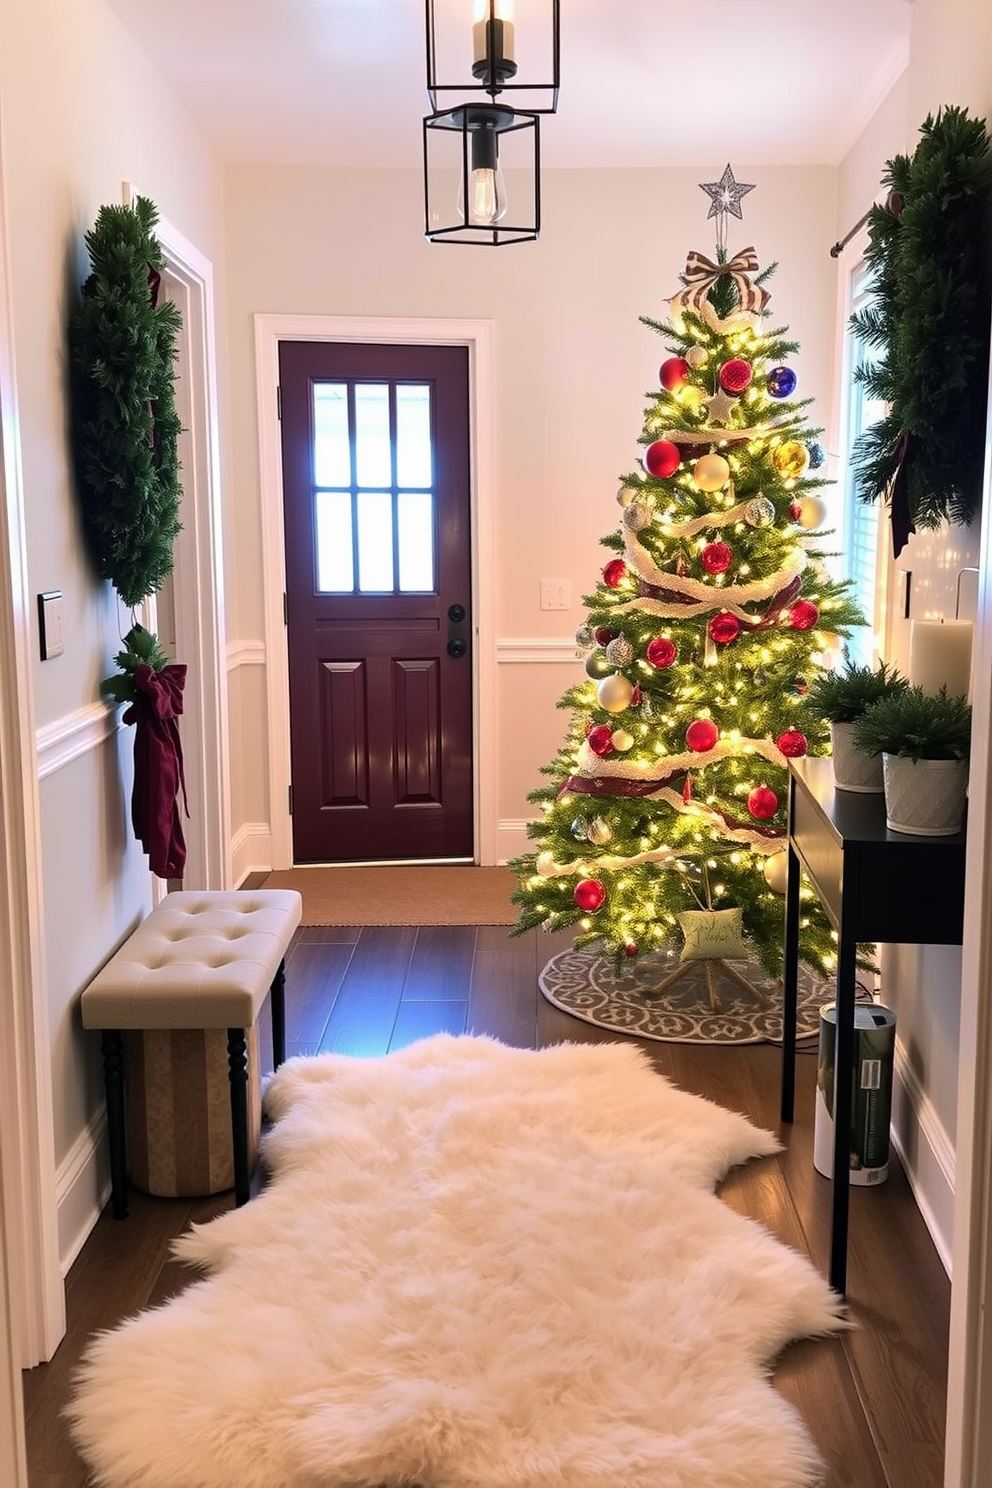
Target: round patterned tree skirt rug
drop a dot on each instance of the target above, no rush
(582, 982)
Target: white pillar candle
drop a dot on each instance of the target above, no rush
(940, 655)
(502, 29)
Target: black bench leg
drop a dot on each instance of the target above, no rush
(113, 1074)
(237, 1064)
(277, 1004)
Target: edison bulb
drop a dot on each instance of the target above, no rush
(486, 198)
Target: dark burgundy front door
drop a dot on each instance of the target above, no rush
(375, 452)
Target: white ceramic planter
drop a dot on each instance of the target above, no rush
(853, 769)
(924, 798)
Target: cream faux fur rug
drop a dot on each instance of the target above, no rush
(475, 1267)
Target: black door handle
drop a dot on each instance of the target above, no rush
(456, 613)
(457, 647)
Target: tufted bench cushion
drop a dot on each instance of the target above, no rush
(200, 961)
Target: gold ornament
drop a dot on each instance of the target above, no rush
(776, 871)
(621, 740)
(600, 832)
(625, 495)
(696, 356)
(812, 512)
(614, 693)
(545, 864)
(790, 459)
(711, 472)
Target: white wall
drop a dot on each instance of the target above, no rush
(83, 110)
(950, 53)
(572, 365)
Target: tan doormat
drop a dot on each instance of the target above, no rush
(346, 894)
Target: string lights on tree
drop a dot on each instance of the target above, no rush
(664, 817)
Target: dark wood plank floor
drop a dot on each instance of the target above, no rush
(874, 1398)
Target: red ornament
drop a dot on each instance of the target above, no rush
(589, 894)
(614, 573)
(716, 557)
(662, 459)
(803, 615)
(795, 510)
(762, 803)
(600, 739)
(792, 743)
(701, 735)
(660, 652)
(635, 696)
(735, 375)
(603, 635)
(724, 628)
(895, 203)
(674, 373)
(630, 949)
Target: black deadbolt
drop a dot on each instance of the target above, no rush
(456, 613)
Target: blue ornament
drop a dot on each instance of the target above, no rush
(780, 382)
(816, 454)
(580, 829)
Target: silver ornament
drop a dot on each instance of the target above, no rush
(696, 357)
(647, 708)
(580, 829)
(597, 665)
(584, 636)
(637, 516)
(600, 832)
(620, 651)
(759, 512)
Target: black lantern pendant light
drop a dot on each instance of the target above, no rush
(470, 148)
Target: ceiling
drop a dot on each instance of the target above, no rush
(643, 82)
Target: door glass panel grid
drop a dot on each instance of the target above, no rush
(374, 499)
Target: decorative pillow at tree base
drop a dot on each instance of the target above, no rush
(712, 935)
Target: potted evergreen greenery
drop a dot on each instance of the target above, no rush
(924, 740)
(842, 698)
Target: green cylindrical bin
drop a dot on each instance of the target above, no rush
(871, 1096)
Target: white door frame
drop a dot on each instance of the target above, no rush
(969, 1384)
(27, 1143)
(477, 336)
(197, 580)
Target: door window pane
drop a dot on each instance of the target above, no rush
(415, 532)
(335, 553)
(373, 444)
(331, 441)
(375, 542)
(413, 435)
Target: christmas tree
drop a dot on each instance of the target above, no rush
(664, 818)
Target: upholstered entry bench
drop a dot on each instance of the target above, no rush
(198, 961)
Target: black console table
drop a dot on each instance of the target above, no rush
(875, 885)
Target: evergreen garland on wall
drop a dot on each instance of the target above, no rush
(930, 253)
(124, 425)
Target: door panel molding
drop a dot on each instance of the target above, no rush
(477, 336)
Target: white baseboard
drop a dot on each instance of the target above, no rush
(926, 1152)
(82, 1188)
(511, 840)
(251, 851)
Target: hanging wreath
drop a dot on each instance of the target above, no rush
(930, 255)
(124, 424)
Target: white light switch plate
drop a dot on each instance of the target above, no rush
(50, 623)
